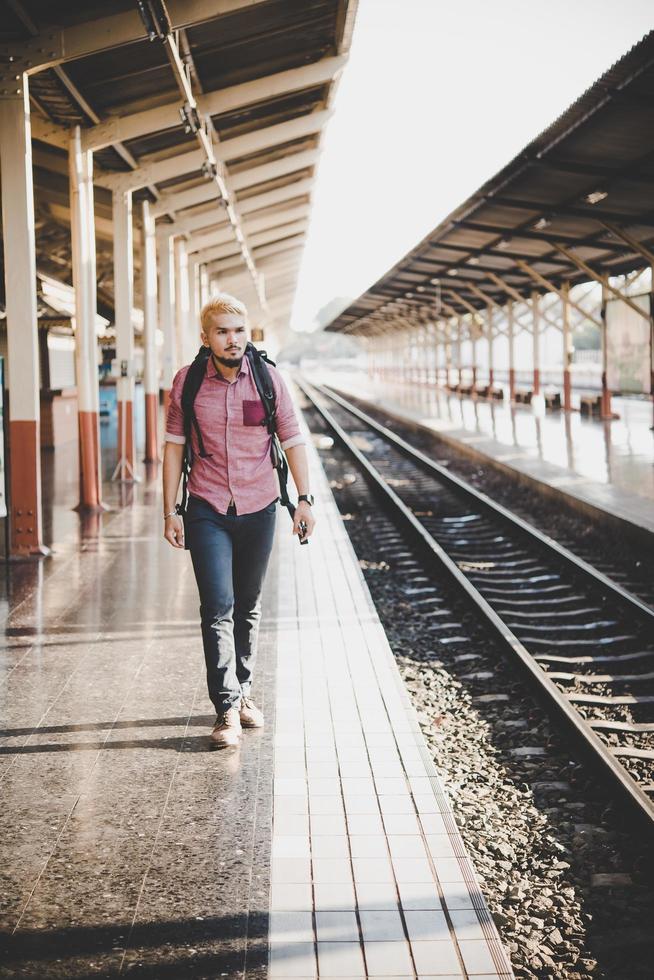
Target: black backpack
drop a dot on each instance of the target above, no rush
(258, 361)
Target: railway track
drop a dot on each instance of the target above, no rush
(582, 638)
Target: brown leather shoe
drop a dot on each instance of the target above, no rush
(250, 715)
(227, 730)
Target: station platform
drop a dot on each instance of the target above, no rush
(604, 469)
(323, 846)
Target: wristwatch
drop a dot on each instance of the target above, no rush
(308, 497)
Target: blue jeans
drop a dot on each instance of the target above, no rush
(230, 555)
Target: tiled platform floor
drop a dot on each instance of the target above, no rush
(608, 466)
(370, 877)
(127, 848)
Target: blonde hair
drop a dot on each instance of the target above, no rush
(221, 303)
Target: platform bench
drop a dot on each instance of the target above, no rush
(590, 405)
(523, 396)
(552, 400)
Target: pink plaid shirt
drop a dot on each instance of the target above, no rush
(230, 417)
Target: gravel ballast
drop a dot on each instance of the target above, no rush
(567, 880)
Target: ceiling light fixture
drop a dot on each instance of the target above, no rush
(542, 223)
(435, 282)
(596, 196)
(452, 272)
(504, 243)
(473, 260)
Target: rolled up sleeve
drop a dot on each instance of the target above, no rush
(288, 428)
(175, 417)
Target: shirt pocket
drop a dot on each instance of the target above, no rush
(253, 412)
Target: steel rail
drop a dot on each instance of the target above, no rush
(549, 544)
(555, 698)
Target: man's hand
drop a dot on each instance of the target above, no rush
(303, 513)
(174, 531)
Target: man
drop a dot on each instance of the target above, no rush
(233, 492)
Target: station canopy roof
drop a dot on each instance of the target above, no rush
(264, 74)
(579, 197)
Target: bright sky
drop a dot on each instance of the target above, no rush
(437, 96)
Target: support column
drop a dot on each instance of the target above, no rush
(535, 313)
(651, 341)
(151, 365)
(169, 361)
(459, 331)
(123, 303)
(448, 353)
(605, 407)
(182, 302)
(489, 320)
(204, 285)
(194, 306)
(82, 227)
(473, 344)
(511, 338)
(24, 516)
(567, 385)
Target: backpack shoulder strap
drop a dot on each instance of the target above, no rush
(258, 361)
(192, 382)
(264, 384)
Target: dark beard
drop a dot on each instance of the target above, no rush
(229, 362)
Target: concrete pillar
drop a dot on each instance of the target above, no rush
(182, 302)
(204, 285)
(82, 227)
(25, 520)
(194, 306)
(535, 314)
(605, 408)
(473, 344)
(448, 352)
(567, 353)
(459, 332)
(151, 361)
(123, 304)
(511, 338)
(169, 359)
(651, 342)
(489, 322)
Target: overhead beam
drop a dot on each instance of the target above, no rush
(464, 302)
(192, 161)
(175, 166)
(278, 168)
(209, 221)
(180, 200)
(264, 251)
(261, 139)
(630, 241)
(287, 255)
(551, 288)
(174, 201)
(602, 280)
(56, 45)
(140, 124)
(278, 196)
(253, 225)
